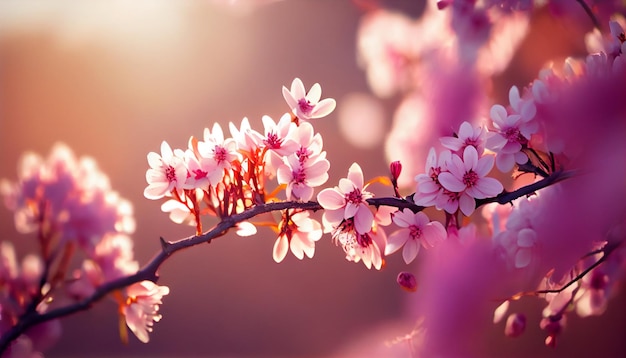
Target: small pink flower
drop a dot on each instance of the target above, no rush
(301, 177)
(141, 308)
(349, 200)
(299, 235)
(278, 142)
(429, 189)
(467, 135)
(367, 247)
(467, 177)
(216, 154)
(417, 230)
(167, 172)
(307, 105)
(246, 138)
(512, 131)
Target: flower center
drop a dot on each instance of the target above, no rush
(355, 196)
(415, 232)
(513, 135)
(299, 176)
(302, 154)
(364, 240)
(220, 153)
(272, 141)
(305, 106)
(199, 173)
(170, 173)
(470, 178)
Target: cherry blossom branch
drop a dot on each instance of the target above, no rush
(606, 252)
(507, 197)
(148, 272)
(168, 248)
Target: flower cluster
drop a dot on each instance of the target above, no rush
(69, 204)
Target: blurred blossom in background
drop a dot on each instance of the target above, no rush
(113, 79)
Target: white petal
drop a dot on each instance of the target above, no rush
(363, 219)
(324, 108)
(331, 199)
(396, 240)
(411, 248)
(280, 248)
(355, 174)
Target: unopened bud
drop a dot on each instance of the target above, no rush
(396, 169)
(515, 325)
(442, 4)
(407, 281)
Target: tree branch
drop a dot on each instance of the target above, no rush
(150, 270)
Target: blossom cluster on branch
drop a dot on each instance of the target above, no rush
(509, 197)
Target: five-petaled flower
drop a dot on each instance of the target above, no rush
(307, 105)
(467, 177)
(348, 200)
(416, 229)
(299, 233)
(167, 172)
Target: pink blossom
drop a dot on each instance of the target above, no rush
(417, 230)
(310, 143)
(167, 173)
(467, 177)
(307, 106)
(277, 141)
(429, 189)
(301, 177)
(141, 308)
(71, 198)
(467, 135)
(298, 234)
(215, 155)
(247, 139)
(348, 200)
(367, 247)
(512, 131)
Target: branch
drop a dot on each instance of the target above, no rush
(149, 271)
(507, 197)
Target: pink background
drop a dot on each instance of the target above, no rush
(114, 79)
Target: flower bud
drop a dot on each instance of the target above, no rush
(515, 325)
(396, 169)
(407, 281)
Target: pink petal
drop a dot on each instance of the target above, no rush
(498, 115)
(324, 108)
(297, 90)
(470, 158)
(450, 182)
(403, 218)
(484, 165)
(280, 248)
(363, 219)
(396, 240)
(331, 199)
(355, 174)
(411, 248)
(315, 93)
(488, 187)
(467, 204)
